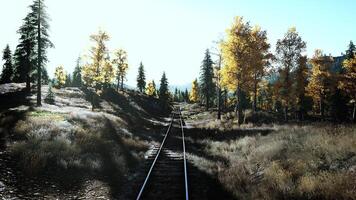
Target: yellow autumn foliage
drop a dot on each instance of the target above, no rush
(348, 80)
(236, 54)
(318, 85)
(60, 76)
(122, 65)
(194, 94)
(151, 89)
(98, 71)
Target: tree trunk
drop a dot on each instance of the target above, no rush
(238, 108)
(286, 113)
(118, 84)
(28, 82)
(219, 89)
(354, 113)
(225, 99)
(255, 97)
(219, 104)
(39, 56)
(301, 108)
(207, 102)
(322, 109)
(122, 83)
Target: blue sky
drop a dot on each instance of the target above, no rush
(171, 36)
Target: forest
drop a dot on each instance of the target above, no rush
(256, 123)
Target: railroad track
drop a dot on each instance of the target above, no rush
(167, 176)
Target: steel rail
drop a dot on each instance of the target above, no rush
(184, 158)
(156, 158)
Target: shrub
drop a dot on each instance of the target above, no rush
(259, 117)
(50, 96)
(293, 162)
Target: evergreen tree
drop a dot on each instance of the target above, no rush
(50, 95)
(7, 70)
(38, 18)
(176, 96)
(68, 82)
(207, 85)
(20, 74)
(77, 75)
(24, 56)
(163, 93)
(288, 50)
(301, 84)
(44, 76)
(351, 51)
(186, 95)
(141, 78)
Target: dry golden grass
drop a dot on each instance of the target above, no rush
(292, 162)
(87, 141)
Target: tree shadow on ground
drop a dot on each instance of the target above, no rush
(146, 107)
(218, 135)
(10, 116)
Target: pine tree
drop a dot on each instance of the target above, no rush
(186, 95)
(351, 51)
(288, 50)
(44, 76)
(120, 61)
(7, 70)
(39, 19)
(50, 95)
(207, 86)
(24, 56)
(20, 74)
(69, 80)
(141, 78)
(194, 94)
(301, 84)
(77, 75)
(163, 93)
(176, 96)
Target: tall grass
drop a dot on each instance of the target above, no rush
(294, 162)
(60, 142)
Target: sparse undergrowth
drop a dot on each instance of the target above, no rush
(316, 161)
(293, 162)
(74, 141)
(74, 147)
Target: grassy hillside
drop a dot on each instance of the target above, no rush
(68, 144)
